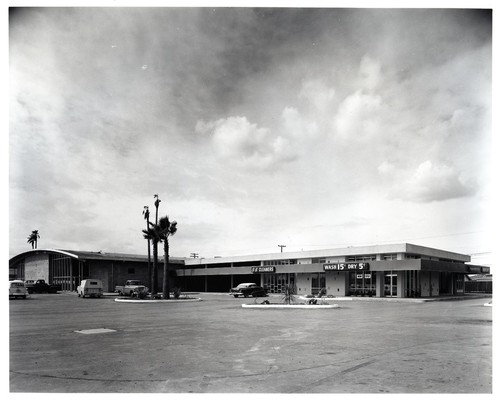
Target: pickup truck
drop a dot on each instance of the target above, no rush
(129, 288)
(40, 286)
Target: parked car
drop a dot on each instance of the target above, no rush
(90, 287)
(128, 288)
(40, 286)
(17, 289)
(248, 289)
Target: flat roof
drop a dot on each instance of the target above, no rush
(337, 252)
(406, 248)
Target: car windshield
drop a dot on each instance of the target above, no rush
(17, 284)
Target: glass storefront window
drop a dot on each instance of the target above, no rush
(318, 282)
(390, 284)
(362, 283)
(274, 283)
(412, 284)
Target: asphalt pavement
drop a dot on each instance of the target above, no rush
(64, 344)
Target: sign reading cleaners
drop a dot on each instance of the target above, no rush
(259, 270)
(347, 266)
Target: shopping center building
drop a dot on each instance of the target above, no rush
(391, 270)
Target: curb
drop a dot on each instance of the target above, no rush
(290, 306)
(157, 301)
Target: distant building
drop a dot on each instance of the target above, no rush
(479, 283)
(68, 267)
(393, 270)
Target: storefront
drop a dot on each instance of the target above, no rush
(394, 270)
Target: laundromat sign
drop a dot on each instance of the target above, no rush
(347, 266)
(258, 270)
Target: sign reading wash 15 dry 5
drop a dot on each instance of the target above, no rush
(347, 266)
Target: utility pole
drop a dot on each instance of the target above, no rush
(194, 255)
(281, 246)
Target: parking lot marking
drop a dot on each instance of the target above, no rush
(95, 331)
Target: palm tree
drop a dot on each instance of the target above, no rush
(33, 239)
(152, 234)
(145, 213)
(166, 229)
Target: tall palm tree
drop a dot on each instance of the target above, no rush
(145, 213)
(152, 234)
(166, 229)
(33, 239)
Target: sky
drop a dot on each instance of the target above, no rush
(257, 127)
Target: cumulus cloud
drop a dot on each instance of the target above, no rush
(296, 125)
(245, 144)
(436, 182)
(358, 116)
(426, 183)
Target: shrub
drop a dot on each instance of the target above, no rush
(288, 294)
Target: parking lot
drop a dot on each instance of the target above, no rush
(216, 346)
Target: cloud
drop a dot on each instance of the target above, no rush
(437, 182)
(386, 168)
(388, 106)
(427, 183)
(245, 144)
(358, 116)
(296, 125)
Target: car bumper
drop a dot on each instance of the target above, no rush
(14, 295)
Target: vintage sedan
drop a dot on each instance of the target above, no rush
(248, 289)
(17, 289)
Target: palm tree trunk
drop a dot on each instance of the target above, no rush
(166, 280)
(149, 266)
(154, 276)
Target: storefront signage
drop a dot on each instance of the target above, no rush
(263, 269)
(347, 266)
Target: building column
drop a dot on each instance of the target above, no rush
(379, 286)
(401, 283)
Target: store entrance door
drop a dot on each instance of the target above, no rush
(390, 284)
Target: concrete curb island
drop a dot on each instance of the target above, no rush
(190, 300)
(290, 306)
